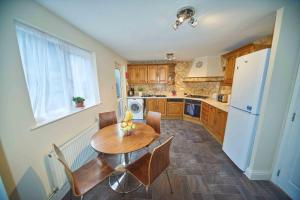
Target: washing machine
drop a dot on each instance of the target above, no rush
(136, 106)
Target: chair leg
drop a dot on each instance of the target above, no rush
(169, 182)
(147, 192)
(70, 194)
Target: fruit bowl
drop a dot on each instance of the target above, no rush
(127, 125)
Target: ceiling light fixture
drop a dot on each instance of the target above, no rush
(170, 56)
(185, 13)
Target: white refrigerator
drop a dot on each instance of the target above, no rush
(248, 84)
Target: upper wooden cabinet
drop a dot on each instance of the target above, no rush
(229, 60)
(229, 71)
(141, 74)
(137, 74)
(152, 74)
(132, 74)
(162, 71)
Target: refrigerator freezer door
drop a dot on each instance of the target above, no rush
(248, 82)
(239, 136)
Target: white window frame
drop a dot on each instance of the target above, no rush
(74, 110)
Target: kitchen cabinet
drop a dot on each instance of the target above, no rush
(156, 105)
(214, 120)
(151, 105)
(220, 124)
(211, 118)
(162, 71)
(204, 113)
(142, 74)
(229, 71)
(229, 60)
(152, 74)
(132, 74)
(158, 74)
(137, 74)
(174, 108)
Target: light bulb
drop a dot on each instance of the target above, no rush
(180, 19)
(175, 26)
(193, 22)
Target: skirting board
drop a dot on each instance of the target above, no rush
(258, 174)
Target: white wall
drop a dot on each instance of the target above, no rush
(21, 150)
(284, 62)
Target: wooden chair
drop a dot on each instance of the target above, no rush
(147, 168)
(87, 176)
(153, 119)
(107, 118)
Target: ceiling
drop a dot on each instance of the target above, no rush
(142, 29)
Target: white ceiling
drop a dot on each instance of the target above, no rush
(142, 29)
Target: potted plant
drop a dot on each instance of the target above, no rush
(140, 90)
(79, 101)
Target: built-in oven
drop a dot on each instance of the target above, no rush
(192, 108)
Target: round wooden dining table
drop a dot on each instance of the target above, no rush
(112, 140)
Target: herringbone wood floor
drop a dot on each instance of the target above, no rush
(199, 170)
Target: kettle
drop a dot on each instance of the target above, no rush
(130, 92)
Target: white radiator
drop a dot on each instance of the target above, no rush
(77, 151)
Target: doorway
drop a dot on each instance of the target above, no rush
(286, 172)
(119, 92)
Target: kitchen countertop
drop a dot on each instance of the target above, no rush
(213, 102)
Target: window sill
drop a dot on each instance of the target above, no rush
(46, 122)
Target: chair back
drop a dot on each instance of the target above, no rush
(160, 160)
(153, 119)
(107, 119)
(68, 171)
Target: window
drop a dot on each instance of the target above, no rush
(55, 71)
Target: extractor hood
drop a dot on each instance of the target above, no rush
(208, 66)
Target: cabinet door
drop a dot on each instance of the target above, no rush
(152, 74)
(130, 75)
(204, 113)
(151, 105)
(174, 109)
(133, 74)
(161, 106)
(220, 119)
(162, 73)
(142, 74)
(211, 118)
(229, 70)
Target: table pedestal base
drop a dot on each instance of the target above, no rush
(123, 182)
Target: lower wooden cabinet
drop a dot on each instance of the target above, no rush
(220, 123)
(174, 108)
(156, 105)
(214, 120)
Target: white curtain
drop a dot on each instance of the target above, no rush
(55, 71)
